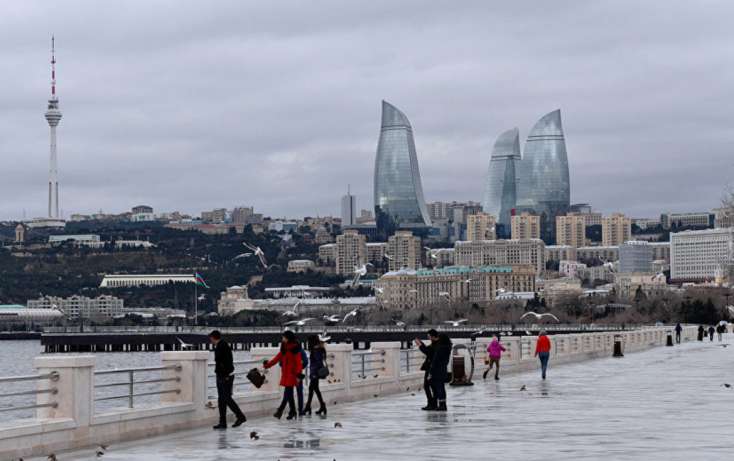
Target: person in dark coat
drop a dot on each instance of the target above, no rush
(678, 330)
(428, 351)
(291, 368)
(712, 330)
(299, 387)
(224, 371)
(700, 332)
(317, 362)
(438, 373)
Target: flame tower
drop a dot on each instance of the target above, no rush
(53, 117)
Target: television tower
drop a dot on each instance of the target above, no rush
(53, 117)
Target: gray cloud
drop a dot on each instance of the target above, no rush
(192, 105)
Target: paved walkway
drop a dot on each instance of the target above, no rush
(667, 403)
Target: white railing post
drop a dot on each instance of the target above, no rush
(340, 366)
(392, 359)
(75, 385)
(191, 378)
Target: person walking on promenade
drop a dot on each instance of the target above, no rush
(700, 332)
(224, 371)
(494, 351)
(316, 365)
(299, 387)
(542, 351)
(712, 330)
(720, 330)
(678, 330)
(291, 368)
(428, 351)
(438, 373)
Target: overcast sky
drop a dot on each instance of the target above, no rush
(196, 105)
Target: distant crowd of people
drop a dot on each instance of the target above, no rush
(719, 329)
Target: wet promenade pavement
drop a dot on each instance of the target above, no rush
(665, 403)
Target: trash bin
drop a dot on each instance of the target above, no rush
(669, 341)
(618, 346)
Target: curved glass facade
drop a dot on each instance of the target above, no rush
(543, 185)
(499, 189)
(399, 201)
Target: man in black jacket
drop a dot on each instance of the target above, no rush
(438, 373)
(425, 367)
(224, 370)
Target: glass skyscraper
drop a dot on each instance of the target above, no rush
(399, 201)
(543, 185)
(499, 189)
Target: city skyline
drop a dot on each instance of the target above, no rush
(288, 107)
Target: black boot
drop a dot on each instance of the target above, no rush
(220, 426)
(484, 376)
(307, 410)
(322, 410)
(441, 405)
(291, 415)
(240, 421)
(278, 413)
(431, 406)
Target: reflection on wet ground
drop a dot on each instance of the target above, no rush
(667, 403)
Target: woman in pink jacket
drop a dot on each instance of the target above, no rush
(494, 351)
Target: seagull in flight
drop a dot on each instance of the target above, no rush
(456, 323)
(379, 290)
(259, 253)
(359, 272)
(184, 345)
(351, 314)
(399, 324)
(242, 255)
(294, 312)
(299, 323)
(730, 309)
(539, 316)
(331, 319)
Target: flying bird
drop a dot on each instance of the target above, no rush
(456, 323)
(299, 323)
(331, 319)
(400, 324)
(379, 290)
(184, 345)
(324, 337)
(259, 253)
(292, 313)
(351, 314)
(359, 272)
(540, 316)
(242, 255)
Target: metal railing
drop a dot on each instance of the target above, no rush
(52, 377)
(367, 362)
(130, 383)
(411, 360)
(246, 364)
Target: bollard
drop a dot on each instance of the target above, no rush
(618, 346)
(669, 341)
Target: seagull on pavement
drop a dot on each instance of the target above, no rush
(540, 316)
(456, 323)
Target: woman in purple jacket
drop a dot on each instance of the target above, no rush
(494, 351)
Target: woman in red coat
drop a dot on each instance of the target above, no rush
(291, 369)
(542, 351)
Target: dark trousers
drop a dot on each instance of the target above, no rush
(677, 337)
(428, 390)
(289, 399)
(544, 356)
(299, 395)
(313, 388)
(438, 386)
(711, 335)
(224, 399)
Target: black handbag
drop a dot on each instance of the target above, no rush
(256, 378)
(323, 372)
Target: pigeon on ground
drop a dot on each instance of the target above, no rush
(524, 388)
(727, 385)
(51, 457)
(337, 424)
(254, 436)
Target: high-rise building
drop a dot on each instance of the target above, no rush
(493, 252)
(217, 215)
(525, 226)
(615, 229)
(500, 188)
(53, 117)
(404, 251)
(701, 255)
(635, 256)
(480, 226)
(349, 209)
(242, 214)
(351, 252)
(571, 230)
(398, 192)
(543, 185)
